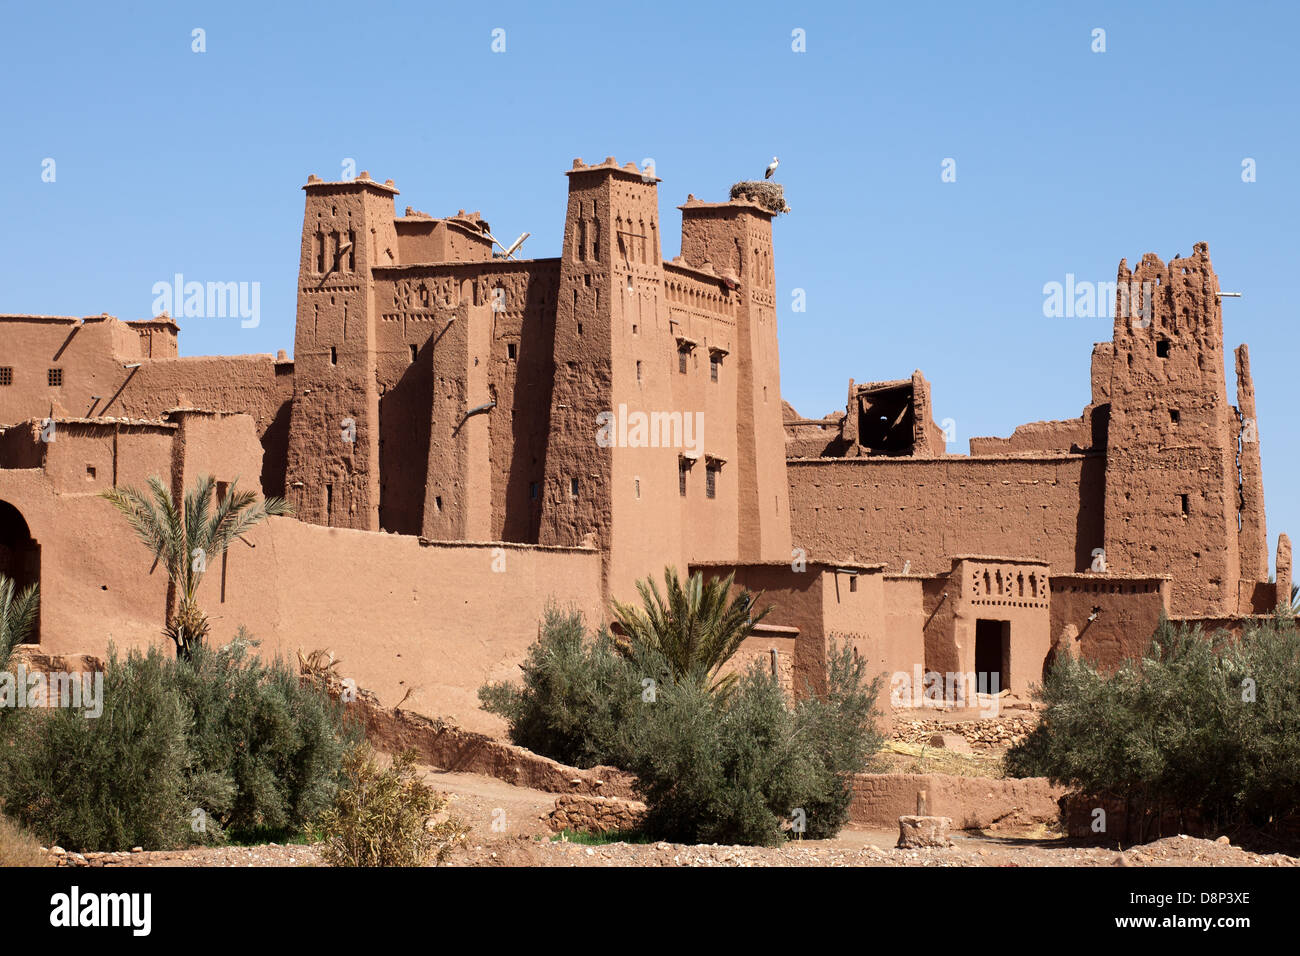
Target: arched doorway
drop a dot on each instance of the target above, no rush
(20, 555)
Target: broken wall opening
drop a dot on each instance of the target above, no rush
(885, 418)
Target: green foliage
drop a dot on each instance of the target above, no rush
(386, 817)
(240, 740)
(18, 611)
(1201, 724)
(185, 540)
(841, 728)
(696, 628)
(578, 695)
(260, 736)
(712, 767)
(746, 768)
(105, 783)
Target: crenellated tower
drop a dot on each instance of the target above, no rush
(332, 475)
(734, 240)
(612, 351)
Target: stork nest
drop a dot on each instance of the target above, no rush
(762, 192)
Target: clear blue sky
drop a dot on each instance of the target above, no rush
(1067, 160)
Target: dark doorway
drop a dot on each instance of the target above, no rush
(20, 555)
(992, 656)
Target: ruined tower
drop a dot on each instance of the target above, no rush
(1172, 484)
(332, 476)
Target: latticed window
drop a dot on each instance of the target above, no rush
(6, 375)
(711, 481)
(681, 361)
(681, 478)
(55, 376)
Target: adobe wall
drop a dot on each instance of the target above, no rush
(1072, 435)
(758, 649)
(436, 619)
(439, 619)
(1128, 612)
(973, 803)
(820, 603)
(256, 385)
(1007, 590)
(89, 353)
(922, 511)
(515, 301)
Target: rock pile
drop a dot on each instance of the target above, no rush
(985, 734)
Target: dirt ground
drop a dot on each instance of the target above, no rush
(507, 828)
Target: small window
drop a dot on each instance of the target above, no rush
(6, 375)
(90, 472)
(334, 355)
(711, 482)
(714, 362)
(1185, 500)
(579, 328)
(853, 583)
(681, 361)
(533, 490)
(223, 489)
(1174, 415)
(510, 350)
(637, 484)
(1162, 348)
(55, 377)
(681, 478)
(573, 487)
(638, 371)
(437, 503)
(415, 353)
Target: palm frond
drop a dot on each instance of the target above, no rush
(697, 626)
(18, 615)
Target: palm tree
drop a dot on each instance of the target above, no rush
(18, 610)
(184, 541)
(696, 628)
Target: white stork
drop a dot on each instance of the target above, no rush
(771, 168)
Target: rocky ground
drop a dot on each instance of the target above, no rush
(507, 829)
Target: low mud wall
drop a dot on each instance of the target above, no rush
(973, 803)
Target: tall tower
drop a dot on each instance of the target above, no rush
(333, 458)
(612, 354)
(735, 239)
(1171, 469)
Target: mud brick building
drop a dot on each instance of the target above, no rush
(465, 436)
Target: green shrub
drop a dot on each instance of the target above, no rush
(840, 728)
(747, 769)
(105, 783)
(1201, 728)
(184, 752)
(267, 747)
(712, 767)
(386, 817)
(577, 695)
